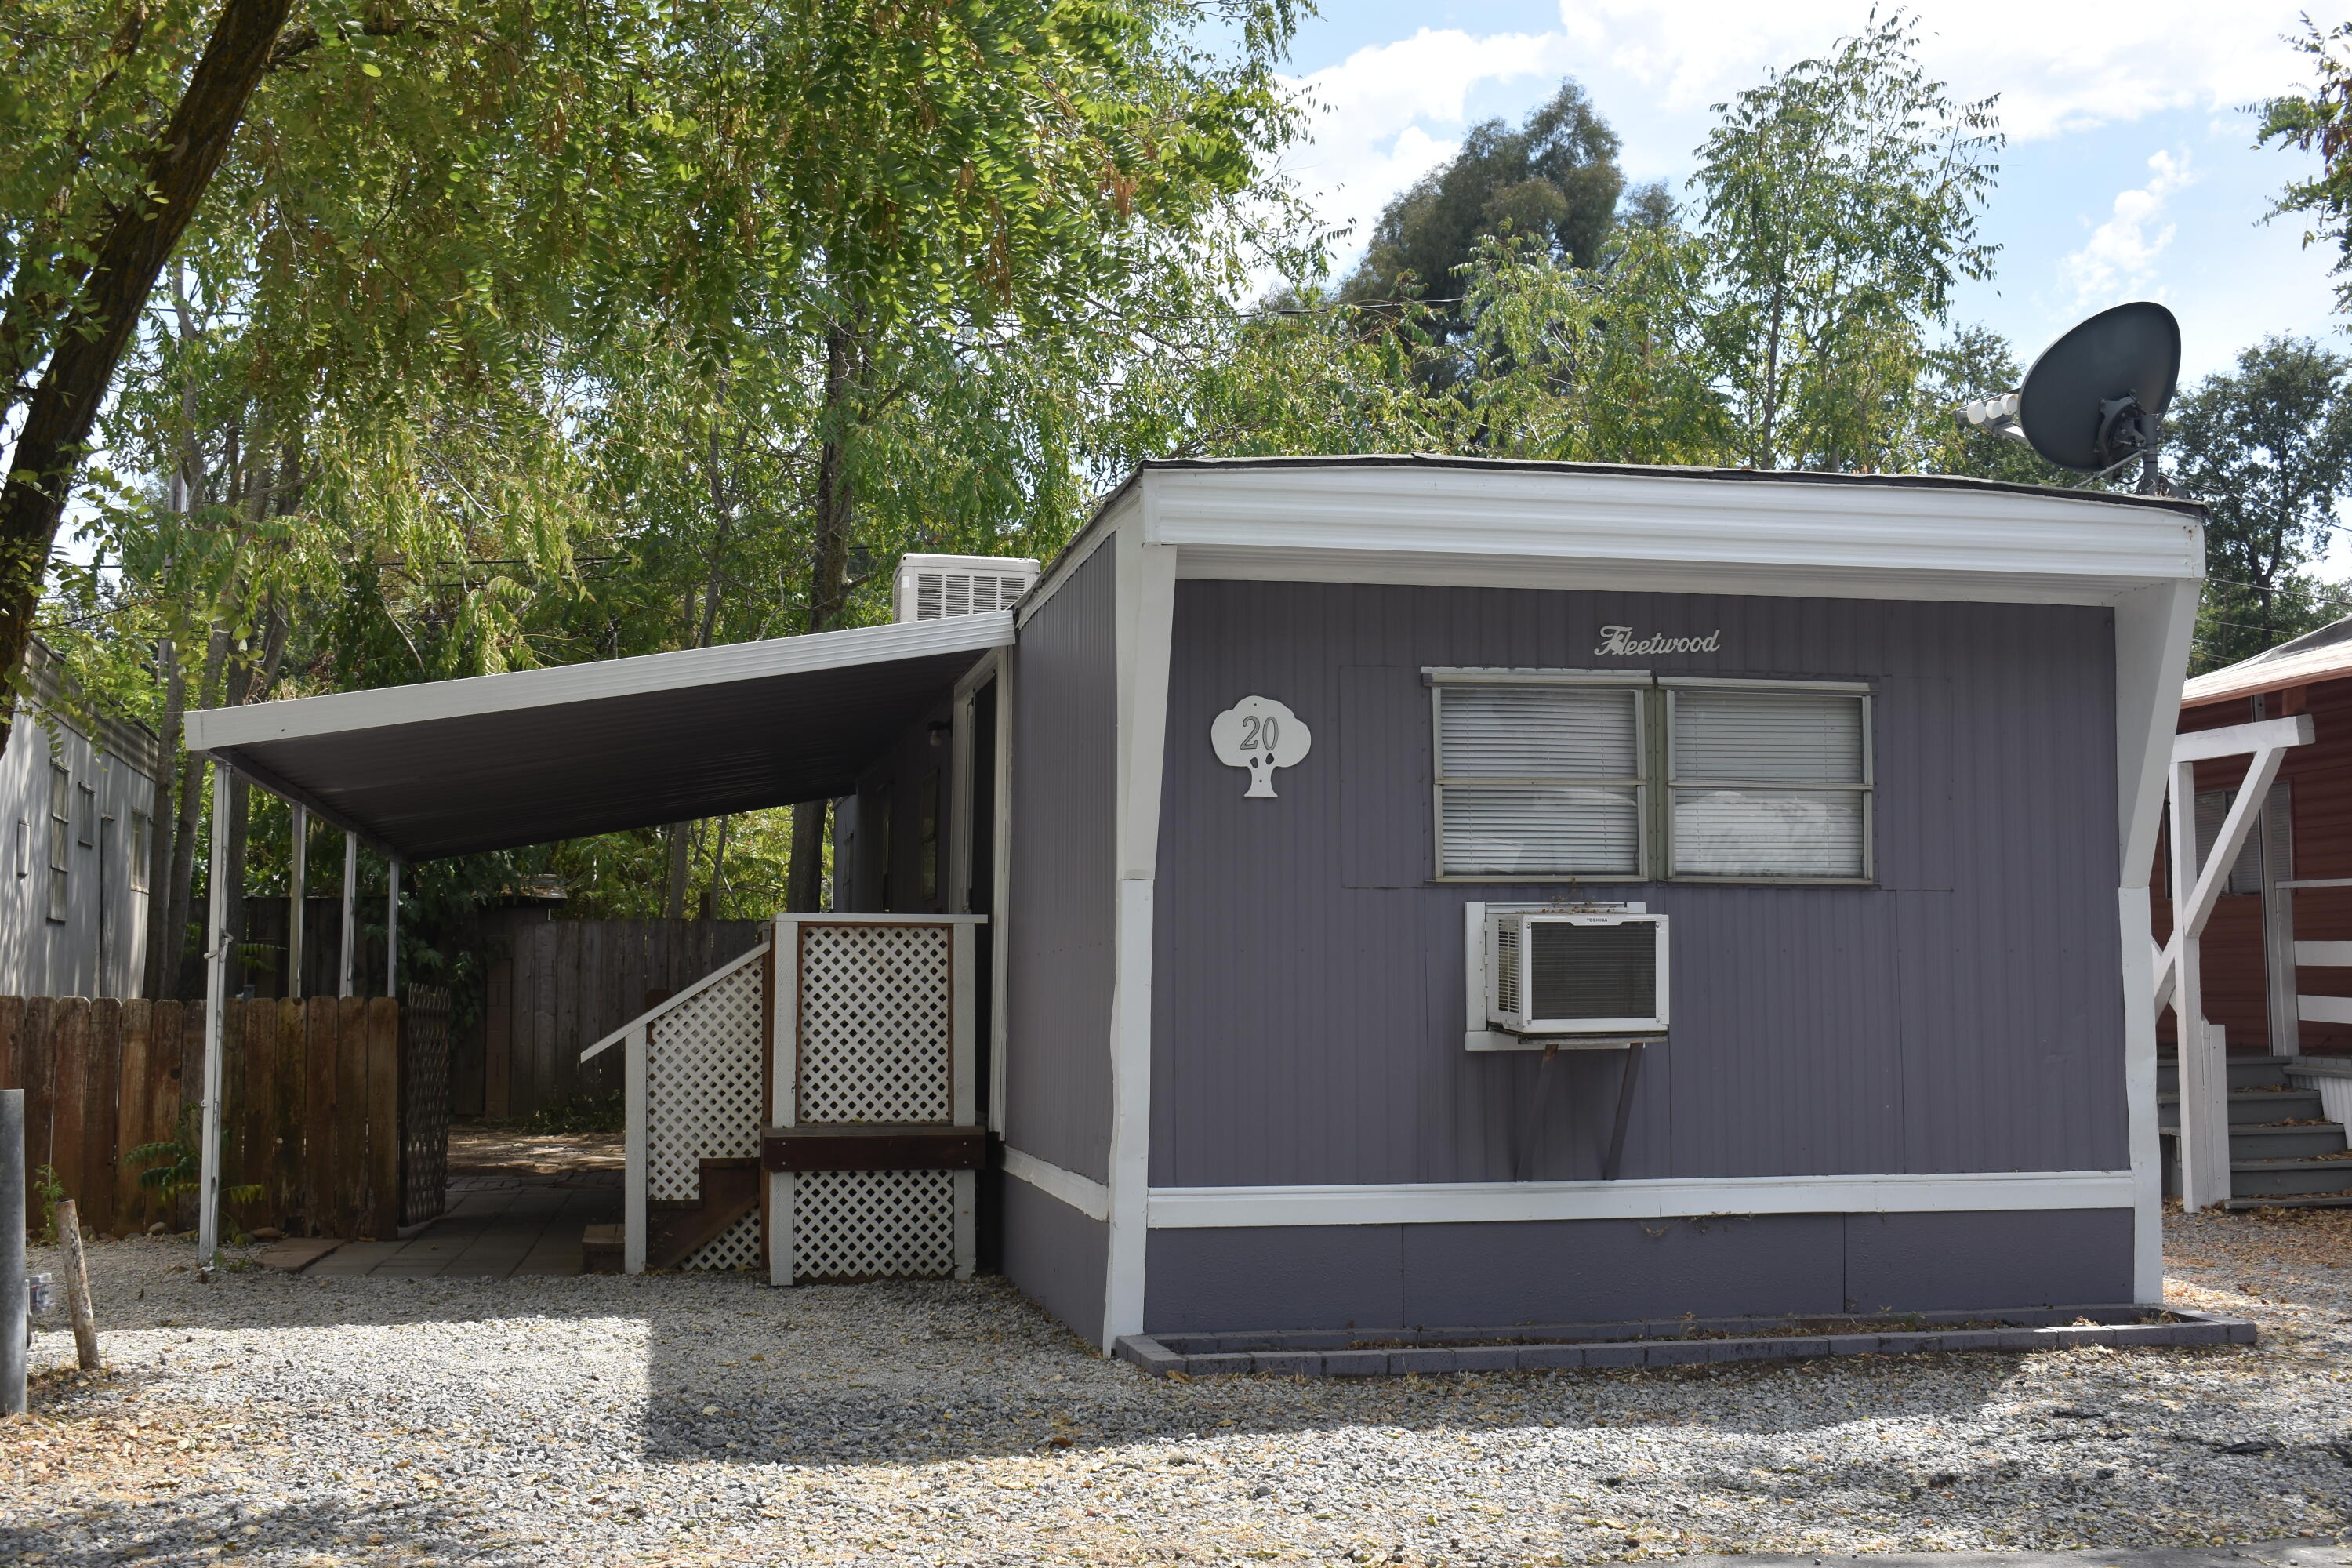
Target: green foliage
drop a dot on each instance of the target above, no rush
(49, 1191)
(2320, 120)
(1553, 182)
(1840, 208)
(173, 1166)
(2268, 449)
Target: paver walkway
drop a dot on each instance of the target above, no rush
(499, 1224)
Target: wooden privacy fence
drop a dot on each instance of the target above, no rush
(556, 988)
(337, 1109)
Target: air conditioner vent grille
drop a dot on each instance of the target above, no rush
(1507, 968)
(930, 590)
(1590, 971)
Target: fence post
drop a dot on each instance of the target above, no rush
(77, 1266)
(392, 928)
(12, 1252)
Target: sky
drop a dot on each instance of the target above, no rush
(2131, 172)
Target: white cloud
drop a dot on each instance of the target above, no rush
(2119, 258)
(2057, 69)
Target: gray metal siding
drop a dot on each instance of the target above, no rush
(1962, 1014)
(1598, 1271)
(1056, 1255)
(1065, 800)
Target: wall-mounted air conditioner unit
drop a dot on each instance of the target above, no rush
(1563, 973)
(932, 587)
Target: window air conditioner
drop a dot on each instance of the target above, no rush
(1577, 974)
(930, 587)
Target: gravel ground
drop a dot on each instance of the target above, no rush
(272, 1419)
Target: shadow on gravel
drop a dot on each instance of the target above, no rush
(165, 1532)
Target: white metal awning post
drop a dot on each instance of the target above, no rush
(350, 912)
(2202, 1052)
(391, 929)
(297, 889)
(216, 935)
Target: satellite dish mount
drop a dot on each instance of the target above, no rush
(2095, 400)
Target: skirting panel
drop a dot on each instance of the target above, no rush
(1058, 1256)
(1484, 1276)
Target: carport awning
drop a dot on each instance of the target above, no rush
(455, 767)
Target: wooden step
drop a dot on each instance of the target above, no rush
(2290, 1178)
(601, 1249)
(2246, 1072)
(676, 1231)
(2250, 1107)
(2299, 1200)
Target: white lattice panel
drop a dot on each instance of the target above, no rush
(739, 1249)
(876, 1023)
(874, 1225)
(702, 1089)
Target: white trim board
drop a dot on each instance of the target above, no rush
(522, 689)
(1089, 1197)
(1455, 1203)
(1995, 545)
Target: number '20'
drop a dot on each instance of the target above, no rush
(1258, 731)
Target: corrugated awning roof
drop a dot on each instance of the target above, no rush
(455, 767)
(2322, 655)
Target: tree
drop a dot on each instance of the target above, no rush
(2320, 120)
(1839, 207)
(1554, 179)
(2268, 449)
(87, 238)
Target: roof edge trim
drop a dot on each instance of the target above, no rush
(215, 731)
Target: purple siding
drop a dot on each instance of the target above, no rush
(1569, 1271)
(1962, 1014)
(1056, 1255)
(1065, 798)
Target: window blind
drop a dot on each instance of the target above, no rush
(1769, 784)
(1540, 781)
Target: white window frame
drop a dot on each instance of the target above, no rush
(60, 861)
(1643, 785)
(1654, 789)
(1867, 788)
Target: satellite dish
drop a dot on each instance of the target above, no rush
(2095, 399)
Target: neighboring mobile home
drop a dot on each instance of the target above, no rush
(1400, 892)
(2275, 949)
(76, 797)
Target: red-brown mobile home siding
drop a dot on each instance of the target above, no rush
(2320, 778)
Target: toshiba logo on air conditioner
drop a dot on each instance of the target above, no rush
(930, 587)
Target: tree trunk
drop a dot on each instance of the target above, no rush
(828, 590)
(681, 861)
(709, 907)
(159, 847)
(140, 238)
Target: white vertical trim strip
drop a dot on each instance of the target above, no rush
(1083, 1193)
(2153, 627)
(1000, 948)
(783, 1087)
(1145, 601)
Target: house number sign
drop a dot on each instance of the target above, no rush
(1260, 735)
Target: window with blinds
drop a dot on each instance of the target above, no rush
(2246, 873)
(1572, 774)
(1769, 783)
(1541, 780)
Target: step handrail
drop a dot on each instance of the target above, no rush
(645, 1018)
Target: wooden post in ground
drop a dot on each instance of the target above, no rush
(298, 886)
(84, 1322)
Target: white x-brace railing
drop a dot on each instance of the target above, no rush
(2203, 1052)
